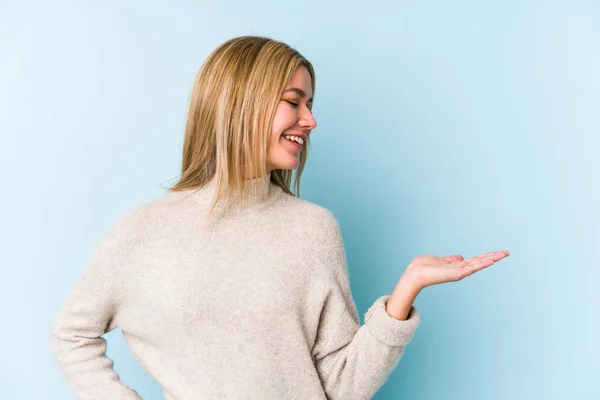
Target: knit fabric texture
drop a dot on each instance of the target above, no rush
(256, 305)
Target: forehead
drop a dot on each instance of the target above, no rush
(301, 79)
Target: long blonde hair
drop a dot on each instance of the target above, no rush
(230, 116)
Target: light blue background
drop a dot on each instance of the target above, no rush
(443, 128)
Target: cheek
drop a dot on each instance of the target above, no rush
(283, 119)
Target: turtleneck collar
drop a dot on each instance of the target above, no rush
(258, 189)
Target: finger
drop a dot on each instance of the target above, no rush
(475, 259)
(499, 252)
(454, 257)
(475, 266)
(495, 255)
(468, 267)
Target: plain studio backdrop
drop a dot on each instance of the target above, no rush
(443, 128)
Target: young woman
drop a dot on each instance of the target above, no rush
(230, 286)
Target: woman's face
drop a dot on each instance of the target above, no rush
(292, 117)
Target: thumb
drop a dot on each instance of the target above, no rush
(454, 257)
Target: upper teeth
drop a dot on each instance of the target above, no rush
(295, 138)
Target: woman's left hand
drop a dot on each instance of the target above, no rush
(427, 270)
(430, 270)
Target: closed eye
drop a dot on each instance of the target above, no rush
(296, 105)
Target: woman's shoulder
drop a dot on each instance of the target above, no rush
(138, 215)
(311, 214)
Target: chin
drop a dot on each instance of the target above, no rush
(288, 166)
(291, 164)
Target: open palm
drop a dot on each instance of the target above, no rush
(431, 270)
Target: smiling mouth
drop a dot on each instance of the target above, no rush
(296, 145)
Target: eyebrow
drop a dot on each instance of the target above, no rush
(300, 92)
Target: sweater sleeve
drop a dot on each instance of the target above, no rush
(354, 361)
(87, 313)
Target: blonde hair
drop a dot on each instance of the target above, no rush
(230, 117)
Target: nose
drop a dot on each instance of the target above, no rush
(307, 120)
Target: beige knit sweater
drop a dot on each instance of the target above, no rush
(256, 306)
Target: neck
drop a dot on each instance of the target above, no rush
(257, 189)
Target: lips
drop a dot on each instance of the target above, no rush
(297, 146)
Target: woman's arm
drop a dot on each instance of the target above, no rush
(354, 361)
(402, 298)
(87, 313)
